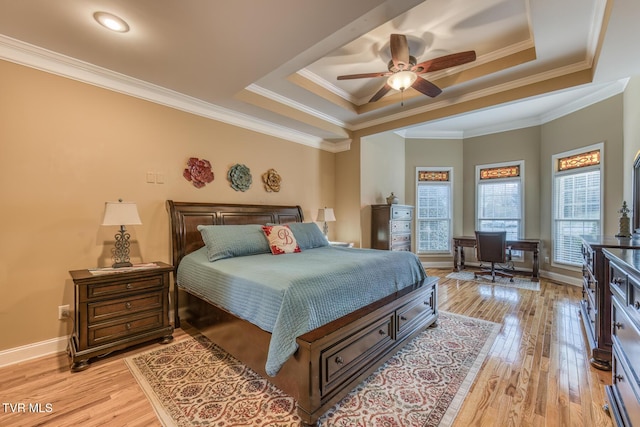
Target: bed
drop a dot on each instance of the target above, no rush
(329, 360)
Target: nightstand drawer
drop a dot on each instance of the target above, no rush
(119, 287)
(101, 311)
(111, 331)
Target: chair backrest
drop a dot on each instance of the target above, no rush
(491, 246)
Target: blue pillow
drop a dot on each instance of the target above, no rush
(308, 235)
(227, 241)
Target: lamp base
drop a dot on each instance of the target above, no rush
(122, 264)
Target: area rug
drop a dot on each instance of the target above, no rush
(518, 282)
(195, 383)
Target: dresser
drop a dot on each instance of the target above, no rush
(622, 267)
(116, 310)
(595, 306)
(391, 227)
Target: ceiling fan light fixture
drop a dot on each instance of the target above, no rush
(402, 80)
(112, 22)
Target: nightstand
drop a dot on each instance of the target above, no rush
(116, 310)
(342, 244)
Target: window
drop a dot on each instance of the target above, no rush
(433, 211)
(499, 199)
(577, 197)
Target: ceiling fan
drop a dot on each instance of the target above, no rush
(404, 70)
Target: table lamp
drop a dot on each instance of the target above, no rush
(121, 213)
(325, 215)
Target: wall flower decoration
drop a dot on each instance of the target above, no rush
(240, 177)
(271, 180)
(198, 171)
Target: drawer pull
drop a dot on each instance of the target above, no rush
(618, 280)
(403, 318)
(339, 360)
(637, 305)
(382, 332)
(128, 305)
(617, 325)
(128, 326)
(129, 286)
(618, 377)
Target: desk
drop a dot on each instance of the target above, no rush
(530, 245)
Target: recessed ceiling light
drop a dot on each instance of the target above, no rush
(111, 22)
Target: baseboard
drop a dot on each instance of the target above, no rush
(33, 351)
(561, 278)
(39, 349)
(574, 281)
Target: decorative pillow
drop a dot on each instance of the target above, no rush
(308, 235)
(281, 239)
(227, 241)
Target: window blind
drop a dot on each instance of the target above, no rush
(433, 217)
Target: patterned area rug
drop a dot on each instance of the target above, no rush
(518, 282)
(195, 383)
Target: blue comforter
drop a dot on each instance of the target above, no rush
(291, 294)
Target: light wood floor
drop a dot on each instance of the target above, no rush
(537, 373)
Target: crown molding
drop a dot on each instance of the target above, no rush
(28, 55)
(594, 97)
(294, 104)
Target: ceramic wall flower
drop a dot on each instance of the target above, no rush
(271, 180)
(198, 171)
(240, 177)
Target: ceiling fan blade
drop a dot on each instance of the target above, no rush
(382, 92)
(446, 61)
(426, 87)
(365, 75)
(399, 51)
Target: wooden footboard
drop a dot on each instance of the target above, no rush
(333, 359)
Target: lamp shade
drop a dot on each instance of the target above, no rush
(326, 215)
(121, 213)
(402, 80)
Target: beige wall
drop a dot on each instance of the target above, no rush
(631, 114)
(381, 157)
(437, 153)
(67, 147)
(535, 145)
(515, 145)
(601, 122)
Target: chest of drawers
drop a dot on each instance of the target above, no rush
(595, 306)
(391, 227)
(116, 310)
(623, 276)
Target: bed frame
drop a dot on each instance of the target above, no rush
(332, 359)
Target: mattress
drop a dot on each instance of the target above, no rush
(291, 294)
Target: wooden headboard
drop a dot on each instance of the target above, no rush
(185, 217)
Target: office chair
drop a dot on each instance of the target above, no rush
(491, 246)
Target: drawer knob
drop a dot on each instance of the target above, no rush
(129, 286)
(403, 318)
(339, 360)
(618, 377)
(617, 280)
(128, 305)
(637, 305)
(128, 325)
(617, 325)
(382, 332)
